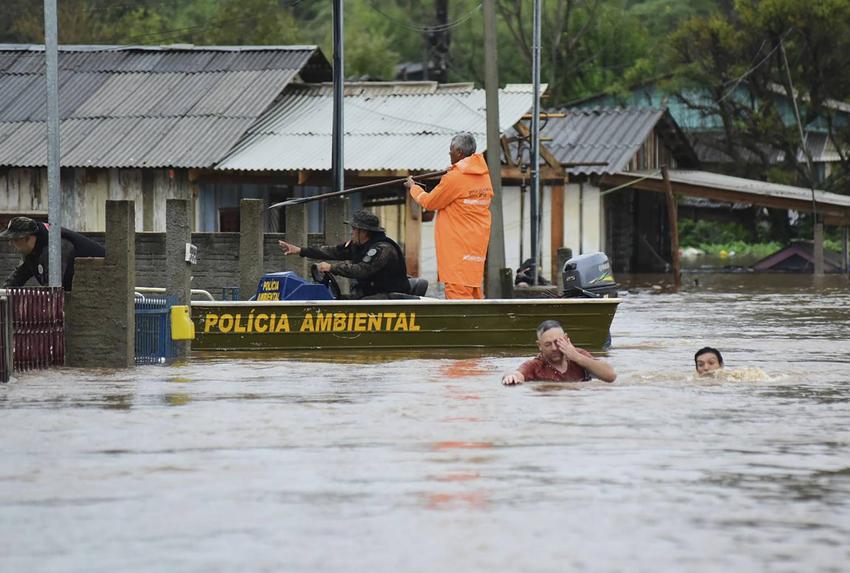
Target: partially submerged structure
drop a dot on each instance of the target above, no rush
(799, 258)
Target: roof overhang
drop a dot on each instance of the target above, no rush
(833, 207)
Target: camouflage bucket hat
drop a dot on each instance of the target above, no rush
(365, 220)
(19, 227)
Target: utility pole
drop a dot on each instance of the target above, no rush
(438, 39)
(535, 147)
(496, 248)
(337, 159)
(54, 197)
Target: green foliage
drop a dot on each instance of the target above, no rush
(588, 45)
(740, 249)
(694, 233)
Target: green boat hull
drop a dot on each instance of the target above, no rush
(396, 324)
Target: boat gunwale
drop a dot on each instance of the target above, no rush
(406, 302)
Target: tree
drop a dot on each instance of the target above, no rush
(730, 68)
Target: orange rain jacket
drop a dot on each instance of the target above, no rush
(462, 232)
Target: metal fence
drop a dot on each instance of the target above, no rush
(33, 329)
(153, 330)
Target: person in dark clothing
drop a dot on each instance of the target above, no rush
(29, 238)
(524, 275)
(371, 258)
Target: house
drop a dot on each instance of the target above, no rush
(589, 143)
(137, 122)
(705, 130)
(616, 198)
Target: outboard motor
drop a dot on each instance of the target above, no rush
(589, 276)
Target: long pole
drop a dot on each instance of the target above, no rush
(338, 168)
(54, 198)
(817, 226)
(496, 247)
(323, 196)
(535, 146)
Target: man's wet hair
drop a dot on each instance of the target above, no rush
(547, 325)
(465, 143)
(708, 350)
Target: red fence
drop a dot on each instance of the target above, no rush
(38, 327)
(5, 338)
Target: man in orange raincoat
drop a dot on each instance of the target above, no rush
(462, 232)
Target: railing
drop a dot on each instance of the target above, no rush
(153, 330)
(196, 293)
(36, 318)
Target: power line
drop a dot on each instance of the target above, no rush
(736, 82)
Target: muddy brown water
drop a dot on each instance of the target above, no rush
(424, 462)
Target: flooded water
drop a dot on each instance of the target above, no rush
(426, 463)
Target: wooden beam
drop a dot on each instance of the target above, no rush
(546, 115)
(837, 221)
(260, 177)
(557, 231)
(673, 217)
(544, 151)
(506, 150)
(726, 195)
(383, 173)
(548, 175)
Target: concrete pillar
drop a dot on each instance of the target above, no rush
(564, 254)
(846, 249)
(100, 314)
(296, 233)
(506, 282)
(818, 249)
(178, 272)
(250, 246)
(337, 231)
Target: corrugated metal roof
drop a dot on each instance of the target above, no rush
(178, 106)
(387, 126)
(611, 135)
(23, 137)
(748, 186)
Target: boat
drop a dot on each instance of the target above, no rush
(399, 324)
(290, 313)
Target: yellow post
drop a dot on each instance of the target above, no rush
(182, 327)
